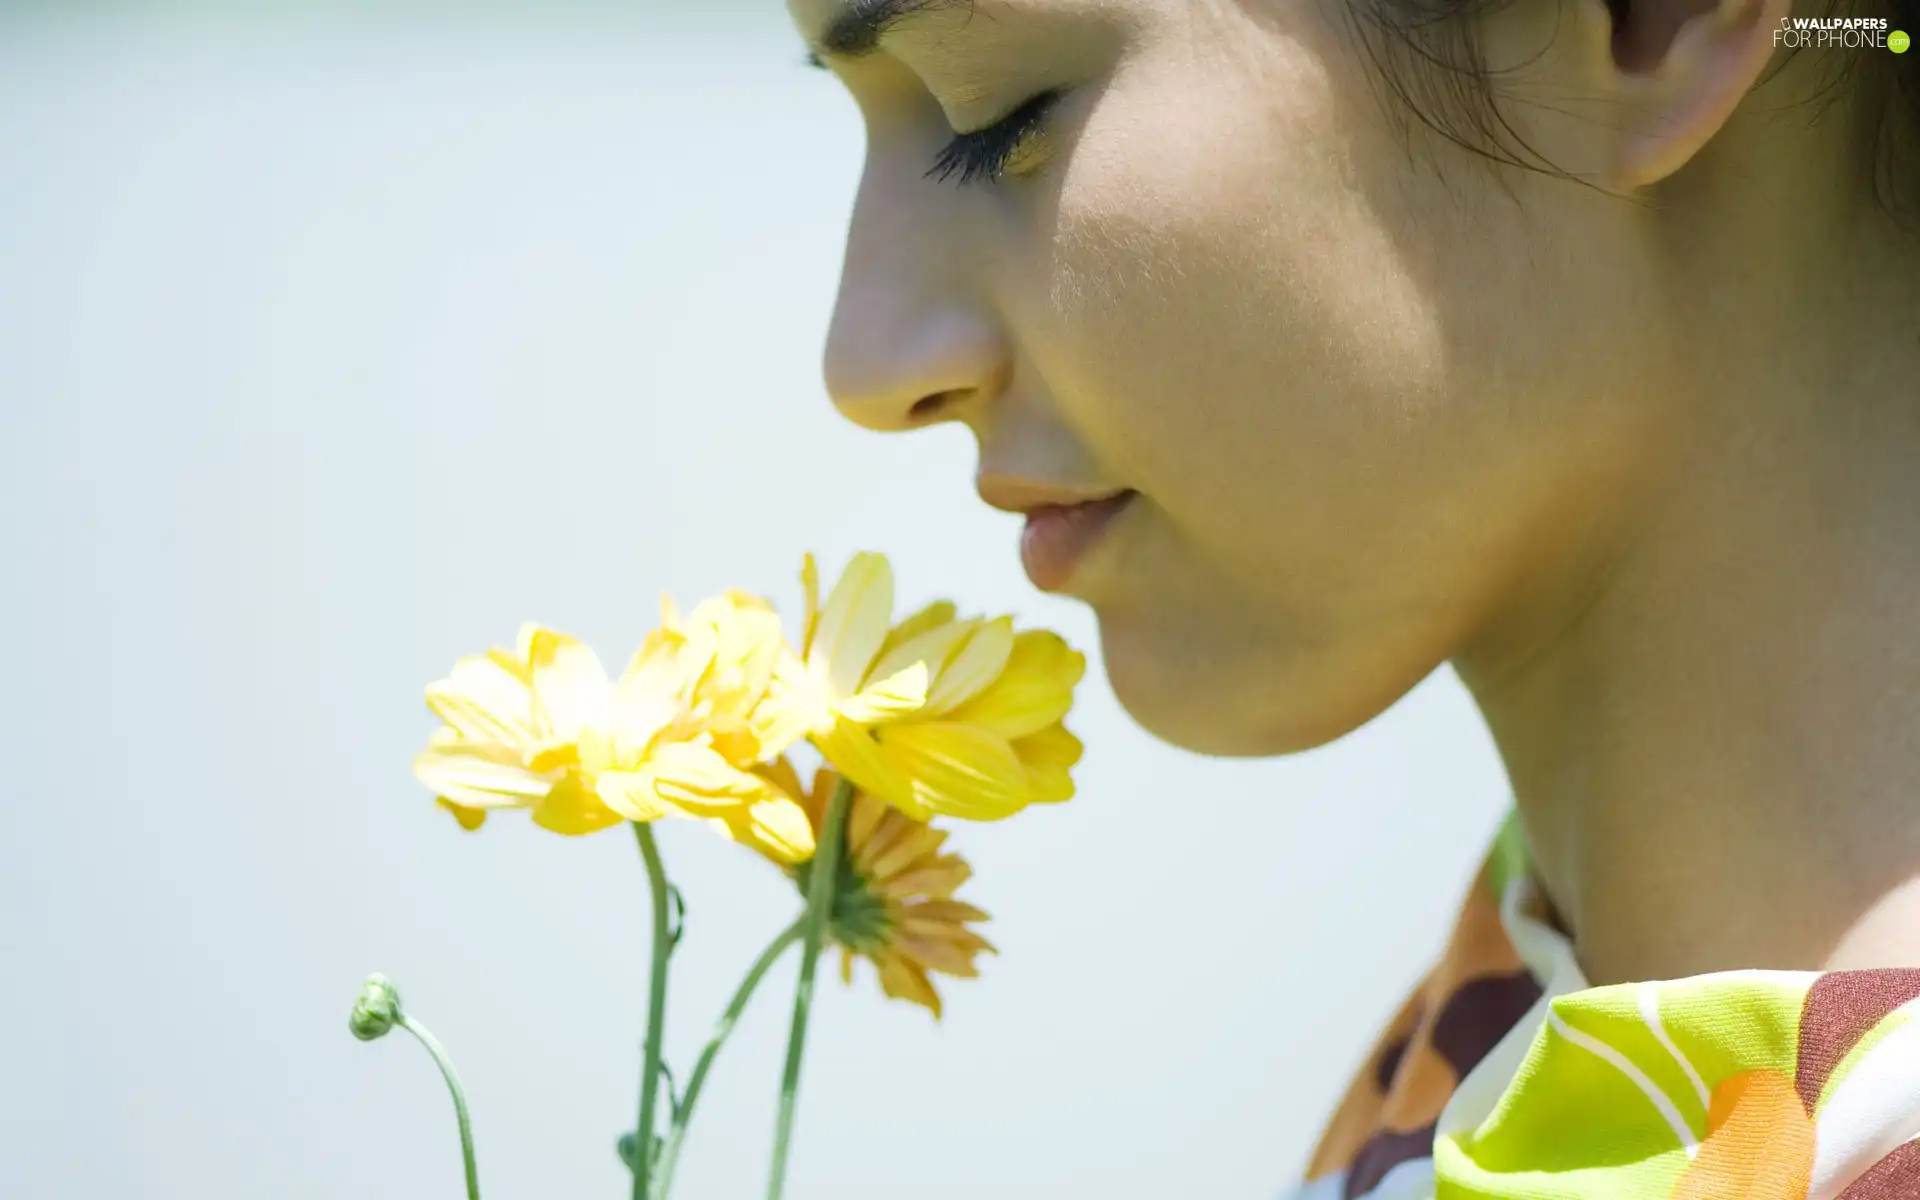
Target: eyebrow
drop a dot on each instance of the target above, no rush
(857, 31)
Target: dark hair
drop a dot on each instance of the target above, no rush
(1427, 55)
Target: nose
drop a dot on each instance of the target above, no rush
(912, 342)
(891, 374)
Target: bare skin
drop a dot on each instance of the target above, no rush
(1641, 458)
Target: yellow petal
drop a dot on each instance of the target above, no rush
(655, 666)
(853, 625)
(777, 827)
(796, 703)
(570, 688)
(632, 795)
(863, 817)
(976, 665)
(1050, 756)
(1051, 785)
(893, 827)
(781, 774)
(593, 753)
(810, 592)
(940, 956)
(904, 981)
(557, 757)
(735, 741)
(1052, 746)
(1034, 691)
(484, 700)
(891, 698)
(742, 633)
(574, 808)
(910, 846)
(470, 818)
(639, 710)
(960, 770)
(855, 755)
(514, 661)
(931, 649)
(782, 718)
(940, 612)
(927, 917)
(973, 943)
(480, 775)
(938, 880)
(752, 643)
(698, 779)
(1069, 664)
(716, 609)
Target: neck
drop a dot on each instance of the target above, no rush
(1714, 738)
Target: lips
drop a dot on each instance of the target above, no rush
(1058, 537)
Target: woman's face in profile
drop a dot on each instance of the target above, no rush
(1364, 390)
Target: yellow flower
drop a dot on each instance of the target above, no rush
(542, 727)
(728, 651)
(985, 737)
(893, 900)
(834, 679)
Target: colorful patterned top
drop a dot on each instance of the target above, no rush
(1507, 1075)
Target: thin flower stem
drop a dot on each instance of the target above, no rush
(670, 1154)
(656, 1010)
(445, 1064)
(821, 877)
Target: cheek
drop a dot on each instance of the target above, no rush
(1249, 307)
(1222, 314)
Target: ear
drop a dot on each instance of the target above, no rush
(1674, 71)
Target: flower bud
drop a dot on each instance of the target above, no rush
(376, 1011)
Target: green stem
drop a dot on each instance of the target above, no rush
(656, 1010)
(670, 1154)
(445, 1064)
(821, 877)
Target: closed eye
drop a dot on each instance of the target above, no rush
(985, 153)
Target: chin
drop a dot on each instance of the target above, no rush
(1217, 696)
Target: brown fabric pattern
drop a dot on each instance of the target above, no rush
(1841, 1007)
(1476, 993)
(1383, 1152)
(1895, 1177)
(1358, 1116)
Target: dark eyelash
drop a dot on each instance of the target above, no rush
(983, 153)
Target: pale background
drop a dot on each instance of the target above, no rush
(336, 341)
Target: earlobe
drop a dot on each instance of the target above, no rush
(1678, 91)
